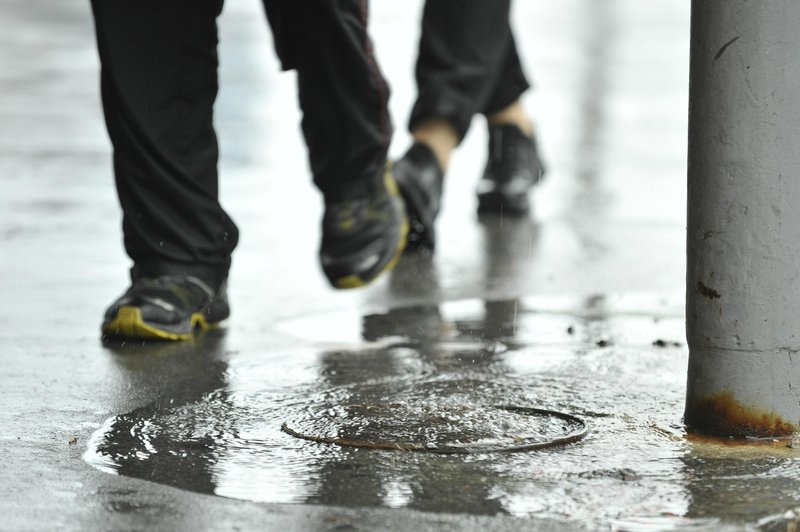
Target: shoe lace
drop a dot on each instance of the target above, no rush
(186, 288)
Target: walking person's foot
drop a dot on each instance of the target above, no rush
(513, 167)
(168, 307)
(420, 178)
(363, 237)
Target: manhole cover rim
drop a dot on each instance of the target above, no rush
(468, 448)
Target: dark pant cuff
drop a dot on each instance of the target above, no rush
(213, 276)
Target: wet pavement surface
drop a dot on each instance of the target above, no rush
(576, 309)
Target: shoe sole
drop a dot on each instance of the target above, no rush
(498, 203)
(128, 323)
(360, 280)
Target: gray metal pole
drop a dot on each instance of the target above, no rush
(743, 240)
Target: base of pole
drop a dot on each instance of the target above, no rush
(743, 393)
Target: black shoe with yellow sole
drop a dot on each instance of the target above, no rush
(169, 307)
(363, 237)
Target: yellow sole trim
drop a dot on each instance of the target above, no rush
(351, 281)
(129, 324)
(388, 179)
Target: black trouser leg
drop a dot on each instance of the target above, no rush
(342, 93)
(159, 82)
(467, 62)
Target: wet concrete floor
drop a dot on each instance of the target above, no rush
(578, 308)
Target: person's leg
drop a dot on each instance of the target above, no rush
(346, 125)
(462, 53)
(159, 82)
(503, 105)
(513, 164)
(341, 91)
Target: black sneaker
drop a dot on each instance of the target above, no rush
(420, 179)
(170, 307)
(363, 237)
(512, 169)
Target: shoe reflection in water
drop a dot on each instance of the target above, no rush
(176, 375)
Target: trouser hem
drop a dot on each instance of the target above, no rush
(213, 276)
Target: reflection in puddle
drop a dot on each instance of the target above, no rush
(634, 471)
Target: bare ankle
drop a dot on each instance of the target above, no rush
(515, 115)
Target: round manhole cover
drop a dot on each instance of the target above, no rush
(438, 428)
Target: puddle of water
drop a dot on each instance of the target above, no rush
(434, 372)
(441, 416)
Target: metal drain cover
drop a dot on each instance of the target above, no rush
(438, 428)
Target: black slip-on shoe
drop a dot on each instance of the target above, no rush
(169, 307)
(421, 180)
(363, 237)
(513, 167)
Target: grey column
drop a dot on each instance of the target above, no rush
(743, 239)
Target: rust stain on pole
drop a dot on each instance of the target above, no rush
(705, 291)
(722, 415)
